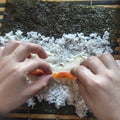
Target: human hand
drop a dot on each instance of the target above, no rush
(14, 67)
(1, 50)
(99, 82)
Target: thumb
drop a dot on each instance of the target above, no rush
(37, 86)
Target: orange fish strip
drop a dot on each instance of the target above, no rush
(64, 75)
(68, 75)
(37, 72)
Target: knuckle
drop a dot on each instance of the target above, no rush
(41, 63)
(44, 84)
(45, 64)
(31, 47)
(77, 69)
(14, 42)
(40, 48)
(110, 74)
(97, 84)
(80, 69)
(25, 45)
(105, 55)
(91, 59)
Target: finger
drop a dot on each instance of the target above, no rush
(37, 86)
(94, 64)
(83, 91)
(1, 51)
(118, 62)
(24, 49)
(32, 64)
(108, 60)
(10, 47)
(84, 75)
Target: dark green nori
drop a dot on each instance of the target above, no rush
(56, 18)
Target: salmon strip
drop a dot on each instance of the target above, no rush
(37, 72)
(64, 75)
(67, 75)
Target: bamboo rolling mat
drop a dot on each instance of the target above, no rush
(47, 116)
(2, 9)
(27, 116)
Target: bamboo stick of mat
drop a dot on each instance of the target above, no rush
(85, 0)
(46, 116)
(2, 9)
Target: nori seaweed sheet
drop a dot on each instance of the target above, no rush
(56, 18)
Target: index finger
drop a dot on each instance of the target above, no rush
(84, 75)
(24, 49)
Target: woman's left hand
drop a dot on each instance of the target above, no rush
(14, 67)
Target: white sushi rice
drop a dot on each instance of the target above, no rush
(63, 54)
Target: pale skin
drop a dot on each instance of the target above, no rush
(14, 90)
(99, 82)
